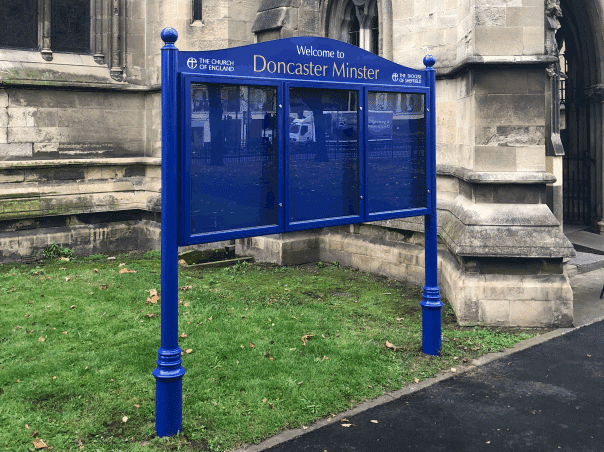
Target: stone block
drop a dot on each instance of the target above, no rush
(495, 158)
(391, 270)
(524, 16)
(533, 41)
(331, 255)
(502, 287)
(490, 17)
(364, 262)
(499, 41)
(537, 313)
(503, 81)
(530, 158)
(494, 312)
(403, 9)
(494, 109)
(15, 150)
(3, 98)
(528, 109)
(416, 274)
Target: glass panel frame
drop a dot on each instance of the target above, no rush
(336, 220)
(188, 234)
(423, 184)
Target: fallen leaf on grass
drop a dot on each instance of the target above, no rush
(189, 351)
(72, 306)
(41, 339)
(27, 316)
(125, 419)
(104, 286)
(122, 264)
(264, 400)
(211, 317)
(153, 298)
(150, 315)
(12, 290)
(306, 337)
(64, 259)
(39, 444)
(112, 258)
(95, 270)
(125, 270)
(391, 346)
(183, 335)
(399, 319)
(186, 288)
(271, 405)
(67, 278)
(54, 378)
(416, 380)
(136, 405)
(324, 358)
(252, 345)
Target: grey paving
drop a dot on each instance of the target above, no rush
(586, 241)
(587, 262)
(546, 394)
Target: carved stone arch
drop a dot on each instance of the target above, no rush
(336, 16)
(582, 121)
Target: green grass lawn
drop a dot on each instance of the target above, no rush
(79, 340)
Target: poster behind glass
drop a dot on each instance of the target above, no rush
(323, 154)
(396, 152)
(233, 157)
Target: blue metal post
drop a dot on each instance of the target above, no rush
(431, 304)
(169, 371)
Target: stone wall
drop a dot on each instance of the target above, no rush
(489, 294)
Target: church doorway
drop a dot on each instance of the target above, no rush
(580, 115)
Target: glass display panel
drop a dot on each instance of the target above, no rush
(323, 161)
(233, 157)
(396, 151)
(70, 26)
(19, 24)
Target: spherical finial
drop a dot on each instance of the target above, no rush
(429, 61)
(169, 35)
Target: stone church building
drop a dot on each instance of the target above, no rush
(520, 89)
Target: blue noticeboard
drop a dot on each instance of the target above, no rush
(282, 136)
(297, 133)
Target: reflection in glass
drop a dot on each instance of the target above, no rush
(396, 161)
(233, 157)
(323, 163)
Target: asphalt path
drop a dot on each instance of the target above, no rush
(548, 397)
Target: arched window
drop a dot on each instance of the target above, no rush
(60, 25)
(355, 22)
(354, 32)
